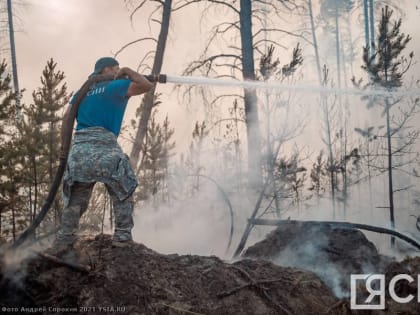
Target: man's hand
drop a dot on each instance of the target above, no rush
(123, 72)
(139, 84)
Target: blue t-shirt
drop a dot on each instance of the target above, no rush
(104, 106)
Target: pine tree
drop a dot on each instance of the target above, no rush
(193, 161)
(10, 165)
(156, 150)
(156, 153)
(40, 137)
(386, 68)
(318, 176)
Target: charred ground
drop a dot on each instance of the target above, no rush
(138, 280)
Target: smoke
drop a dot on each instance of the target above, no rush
(13, 272)
(324, 268)
(200, 224)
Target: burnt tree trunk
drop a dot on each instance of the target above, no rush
(149, 97)
(251, 109)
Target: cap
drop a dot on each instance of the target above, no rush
(104, 62)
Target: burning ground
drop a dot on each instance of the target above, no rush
(137, 280)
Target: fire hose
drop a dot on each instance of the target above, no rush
(161, 78)
(65, 148)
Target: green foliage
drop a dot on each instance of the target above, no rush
(270, 67)
(41, 136)
(318, 175)
(267, 65)
(386, 66)
(192, 164)
(157, 149)
(290, 178)
(297, 60)
(10, 162)
(31, 146)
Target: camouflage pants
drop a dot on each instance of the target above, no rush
(96, 157)
(80, 195)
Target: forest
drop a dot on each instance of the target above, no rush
(303, 112)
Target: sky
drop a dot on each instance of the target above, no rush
(78, 32)
(74, 33)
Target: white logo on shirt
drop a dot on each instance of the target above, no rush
(98, 90)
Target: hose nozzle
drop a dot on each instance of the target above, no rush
(160, 78)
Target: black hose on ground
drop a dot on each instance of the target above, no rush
(65, 147)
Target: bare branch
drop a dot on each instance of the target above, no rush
(213, 1)
(217, 29)
(282, 31)
(135, 10)
(223, 96)
(234, 48)
(233, 67)
(225, 119)
(195, 65)
(186, 4)
(269, 41)
(134, 42)
(151, 19)
(403, 189)
(149, 54)
(225, 4)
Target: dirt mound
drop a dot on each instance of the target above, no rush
(332, 253)
(137, 280)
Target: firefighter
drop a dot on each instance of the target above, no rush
(95, 155)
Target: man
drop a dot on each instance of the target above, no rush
(97, 157)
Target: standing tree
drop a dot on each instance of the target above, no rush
(193, 160)
(40, 137)
(166, 7)
(330, 128)
(10, 162)
(12, 46)
(369, 149)
(157, 149)
(386, 68)
(318, 176)
(246, 21)
(250, 96)
(276, 111)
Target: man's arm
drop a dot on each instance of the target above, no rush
(139, 84)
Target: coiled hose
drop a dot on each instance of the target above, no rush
(65, 148)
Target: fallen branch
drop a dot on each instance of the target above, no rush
(256, 284)
(56, 260)
(246, 285)
(178, 309)
(335, 307)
